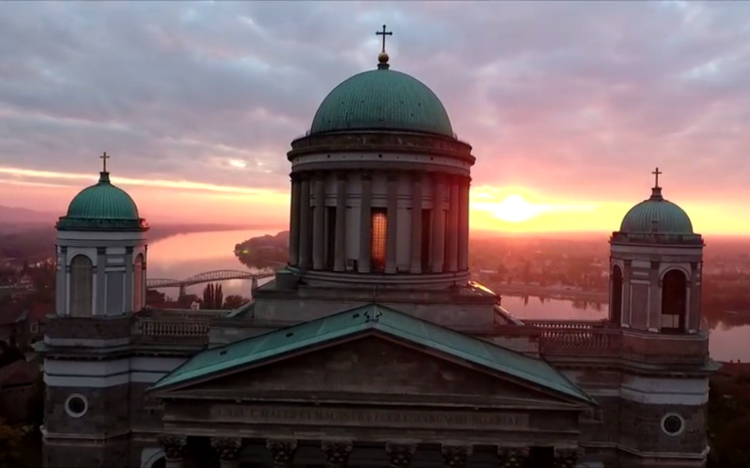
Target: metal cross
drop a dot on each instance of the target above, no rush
(104, 158)
(656, 173)
(384, 33)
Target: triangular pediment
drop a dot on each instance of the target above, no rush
(374, 367)
(371, 351)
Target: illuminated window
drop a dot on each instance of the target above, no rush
(379, 234)
(81, 286)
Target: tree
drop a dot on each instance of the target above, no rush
(235, 301)
(213, 297)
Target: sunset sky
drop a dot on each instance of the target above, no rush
(569, 106)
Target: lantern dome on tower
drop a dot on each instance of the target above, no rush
(382, 99)
(102, 206)
(656, 215)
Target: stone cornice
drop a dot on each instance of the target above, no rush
(381, 141)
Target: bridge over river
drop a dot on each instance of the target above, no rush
(210, 277)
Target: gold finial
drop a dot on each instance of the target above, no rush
(383, 57)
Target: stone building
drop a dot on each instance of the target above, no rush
(373, 347)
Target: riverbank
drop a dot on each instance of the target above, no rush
(521, 290)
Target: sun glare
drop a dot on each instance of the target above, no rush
(516, 210)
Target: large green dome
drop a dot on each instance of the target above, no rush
(382, 99)
(102, 206)
(656, 215)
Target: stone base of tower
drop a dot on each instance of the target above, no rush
(86, 450)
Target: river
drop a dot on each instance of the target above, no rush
(184, 255)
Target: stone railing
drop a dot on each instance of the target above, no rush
(640, 346)
(580, 341)
(171, 330)
(567, 324)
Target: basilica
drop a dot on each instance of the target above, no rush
(373, 346)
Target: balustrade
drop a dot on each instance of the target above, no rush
(171, 328)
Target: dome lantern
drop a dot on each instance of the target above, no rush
(656, 215)
(382, 100)
(102, 207)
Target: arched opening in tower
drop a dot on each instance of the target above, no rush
(615, 307)
(81, 286)
(674, 301)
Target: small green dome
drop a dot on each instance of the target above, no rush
(102, 207)
(656, 215)
(382, 99)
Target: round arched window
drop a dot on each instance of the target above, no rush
(673, 424)
(76, 405)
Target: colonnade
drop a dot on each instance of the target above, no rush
(439, 218)
(399, 454)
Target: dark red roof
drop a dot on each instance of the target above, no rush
(19, 373)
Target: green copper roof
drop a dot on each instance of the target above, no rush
(382, 99)
(101, 207)
(371, 319)
(656, 215)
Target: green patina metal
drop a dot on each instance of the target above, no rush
(371, 318)
(102, 207)
(382, 99)
(656, 215)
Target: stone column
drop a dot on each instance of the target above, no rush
(416, 223)
(100, 273)
(337, 453)
(456, 456)
(339, 263)
(627, 274)
(463, 224)
(174, 449)
(305, 253)
(653, 319)
(294, 221)
(391, 242)
(567, 457)
(228, 450)
(282, 452)
(438, 224)
(319, 224)
(400, 455)
(453, 227)
(694, 307)
(513, 457)
(129, 280)
(365, 224)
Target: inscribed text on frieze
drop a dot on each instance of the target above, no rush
(370, 417)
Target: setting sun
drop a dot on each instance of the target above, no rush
(516, 210)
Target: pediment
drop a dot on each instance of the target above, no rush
(373, 367)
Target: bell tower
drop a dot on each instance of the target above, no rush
(655, 295)
(101, 281)
(655, 268)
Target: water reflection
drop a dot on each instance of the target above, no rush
(184, 255)
(728, 341)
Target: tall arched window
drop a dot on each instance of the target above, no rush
(615, 308)
(378, 241)
(674, 301)
(81, 286)
(138, 299)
